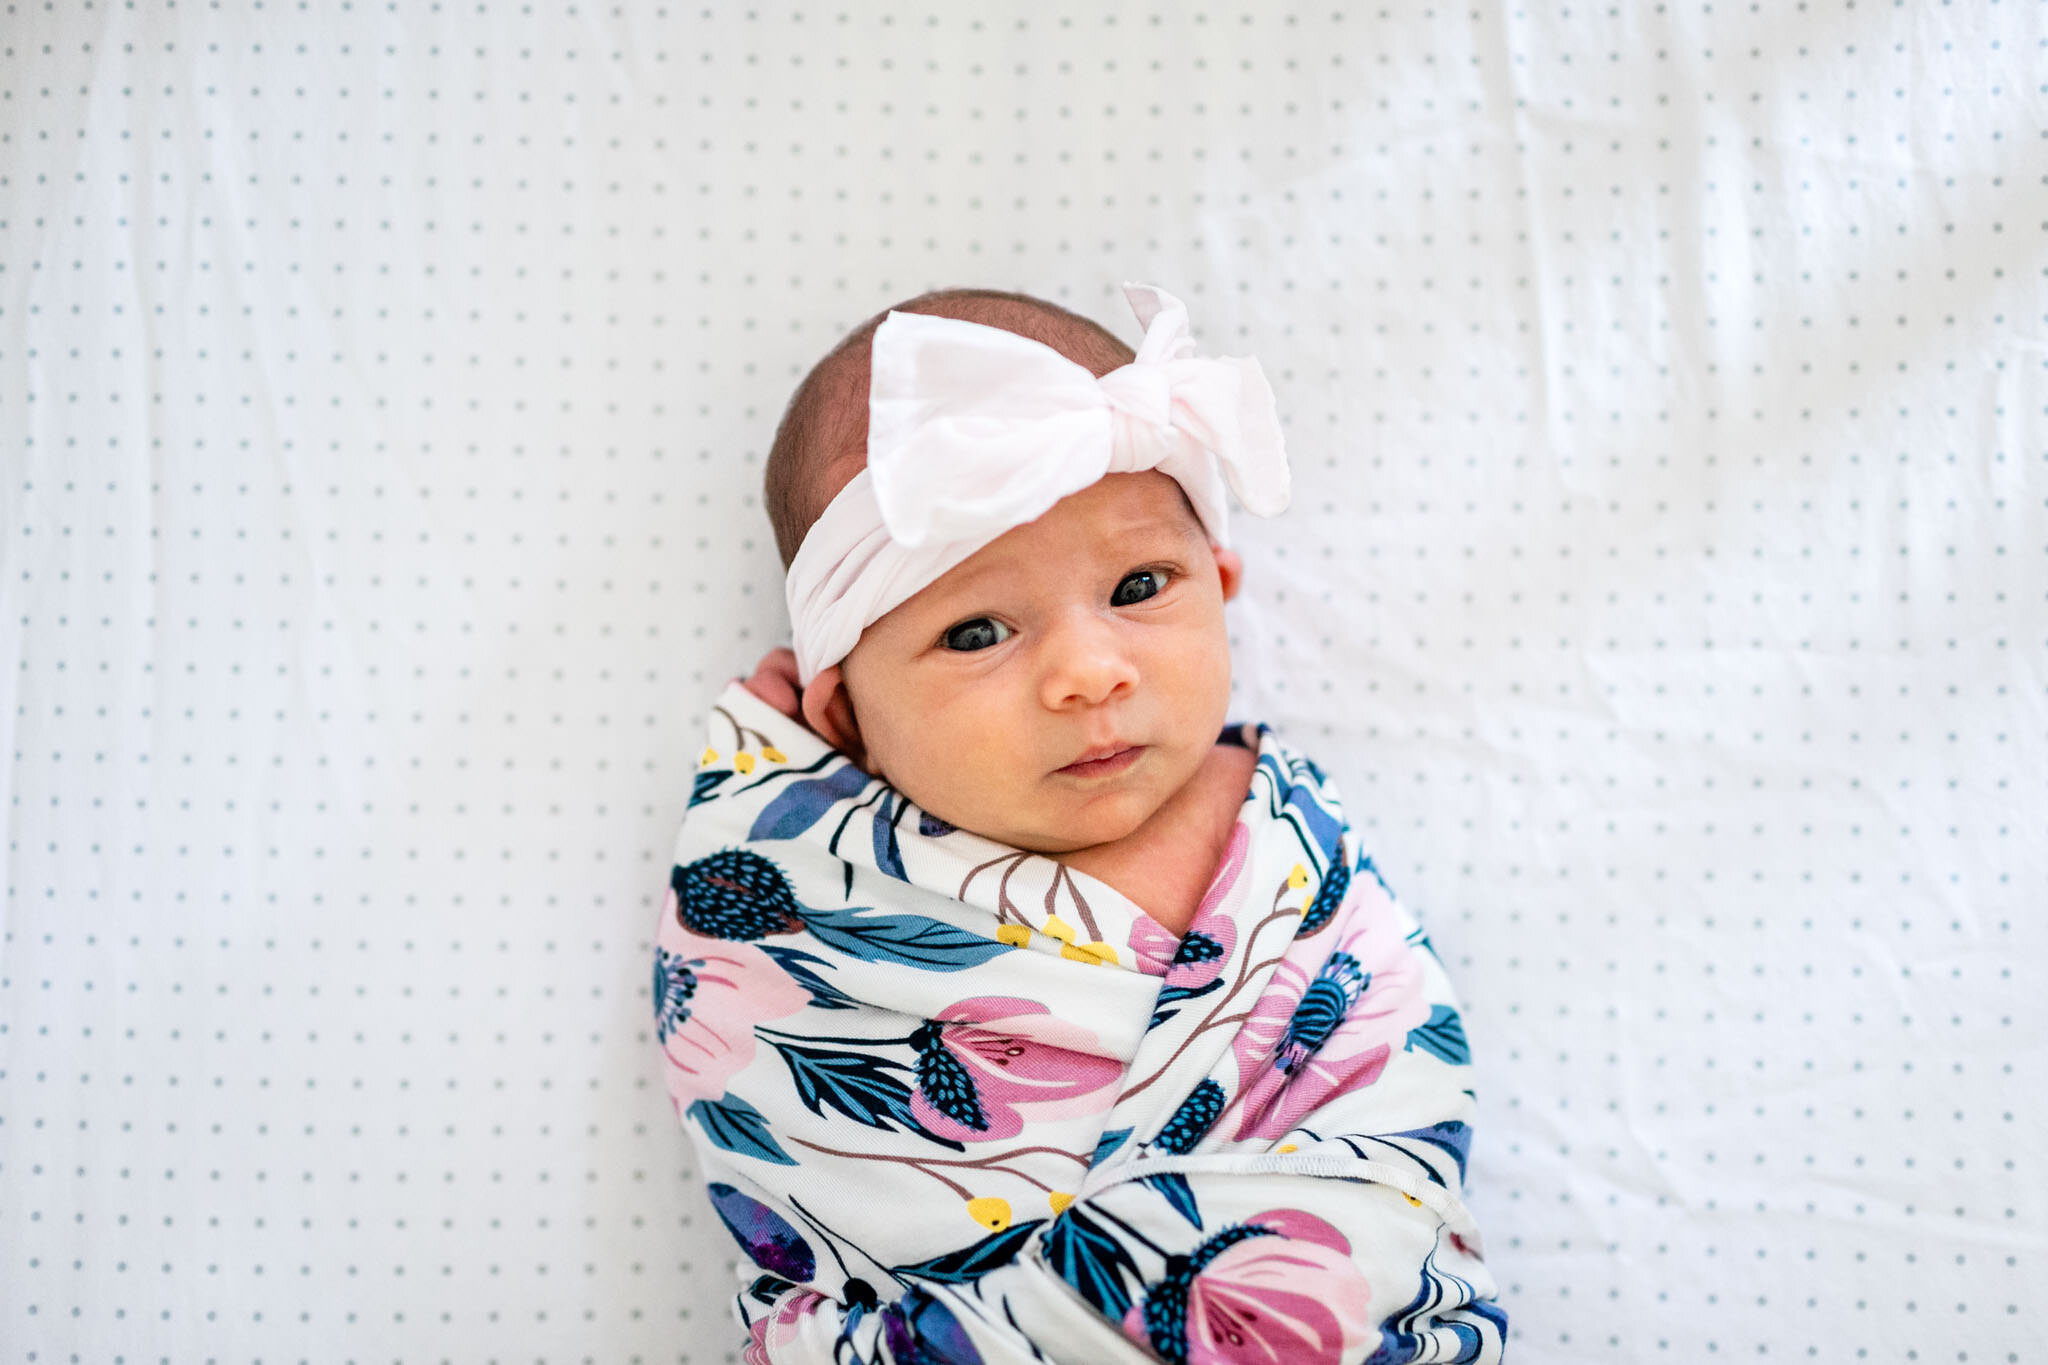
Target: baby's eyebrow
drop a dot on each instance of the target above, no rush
(1164, 525)
(1126, 538)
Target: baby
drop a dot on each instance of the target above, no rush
(980, 897)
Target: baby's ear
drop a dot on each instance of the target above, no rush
(1230, 569)
(828, 710)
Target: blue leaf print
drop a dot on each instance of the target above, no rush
(770, 1241)
(888, 853)
(922, 1331)
(802, 804)
(1107, 1144)
(932, 827)
(1083, 1253)
(1449, 1136)
(707, 782)
(736, 1126)
(1324, 830)
(1443, 1036)
(1179, 1194)
(796, 962)
(860, 1087)
(1173, 995)
(972, 1262)
(912, 940)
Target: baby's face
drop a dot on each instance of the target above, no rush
(1054, 690)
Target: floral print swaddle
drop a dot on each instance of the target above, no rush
(957, 1102)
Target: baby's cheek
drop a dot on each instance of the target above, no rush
(943, 771)
(1198, 677)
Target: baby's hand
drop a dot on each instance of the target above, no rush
(774, 682)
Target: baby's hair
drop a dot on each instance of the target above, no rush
(822, 440)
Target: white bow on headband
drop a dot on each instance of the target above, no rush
(973, 430)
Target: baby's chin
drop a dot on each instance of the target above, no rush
(1073, 841)
(1064, 832)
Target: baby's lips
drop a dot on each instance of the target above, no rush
(1098, 753)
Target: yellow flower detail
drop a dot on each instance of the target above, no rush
(1016, 935)
(1059, 1199)
(1298, 878)
(1097, 951)
(773, 754)
(989, 1211)
(1286, 1147)
(1411, 1199)
(744, 761)
(710, 757)
(1060, 929)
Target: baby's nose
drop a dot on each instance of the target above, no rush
(1088, 666)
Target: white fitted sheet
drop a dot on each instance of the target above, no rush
(383, 391)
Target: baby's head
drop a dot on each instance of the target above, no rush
(1057, 685)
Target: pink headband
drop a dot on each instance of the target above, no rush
(973, 430)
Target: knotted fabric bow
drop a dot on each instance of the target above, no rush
(973, 430)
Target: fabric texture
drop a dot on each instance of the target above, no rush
(973, 430)
(956, 1101)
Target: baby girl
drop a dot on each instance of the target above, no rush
(1019, 1007)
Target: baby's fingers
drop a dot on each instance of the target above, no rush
(774, 682)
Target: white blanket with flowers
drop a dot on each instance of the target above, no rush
(957, 1102)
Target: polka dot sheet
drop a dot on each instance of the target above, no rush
(383, 395)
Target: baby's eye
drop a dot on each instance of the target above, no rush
(1137, 587)
(979, 633)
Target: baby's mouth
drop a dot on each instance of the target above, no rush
(1104, 760)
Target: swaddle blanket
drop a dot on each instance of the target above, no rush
(958, 1102)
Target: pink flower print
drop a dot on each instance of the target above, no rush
(1152, 945)
(980, 1060)
(1197, 958)
(1333, 1014)
(781, 1327)
(708, 995)
(1278, 1289)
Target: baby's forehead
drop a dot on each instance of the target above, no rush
(1116, 518)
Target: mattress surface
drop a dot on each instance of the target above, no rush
(383, 396)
